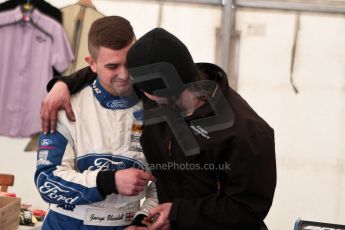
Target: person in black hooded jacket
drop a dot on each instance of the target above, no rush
(212, 155)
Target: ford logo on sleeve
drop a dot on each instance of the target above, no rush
(117, 104)
(45, 142)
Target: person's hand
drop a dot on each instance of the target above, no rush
(130, 182)
(58, 98)
(162, 222)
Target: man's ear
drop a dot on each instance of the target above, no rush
(92, 63)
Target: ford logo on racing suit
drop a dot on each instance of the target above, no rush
(54, 192)
(103, 164)
(117, 104)
(107, 162)
(45, 142)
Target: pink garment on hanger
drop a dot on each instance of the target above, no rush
(26, 60)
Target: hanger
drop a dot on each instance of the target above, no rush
(27, 6)
(86, 3)
(27, 9)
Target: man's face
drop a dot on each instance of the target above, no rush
(110, 66)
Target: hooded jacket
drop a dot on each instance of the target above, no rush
(230, 184)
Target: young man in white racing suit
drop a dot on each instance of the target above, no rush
(92, 171)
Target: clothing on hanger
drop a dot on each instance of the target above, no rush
(79, 18)
(86, 3)
(26, 59)
(26, 18)
(42, 6)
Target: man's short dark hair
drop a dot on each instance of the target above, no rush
(113, 32)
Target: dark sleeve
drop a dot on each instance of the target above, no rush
(106, 182)
(76, 81)
(247, 192)
(137, 220)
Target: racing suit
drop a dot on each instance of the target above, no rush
(76, 165)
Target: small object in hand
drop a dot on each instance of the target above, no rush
(154, 218)
(150, 221)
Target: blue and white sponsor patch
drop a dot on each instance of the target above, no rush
(43, 154)
(42, 158)
(117, 104)
(138, 115)
(45, 142)
(57, 193)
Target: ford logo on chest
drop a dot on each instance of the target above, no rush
(117, 104)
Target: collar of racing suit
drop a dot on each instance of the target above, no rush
(112, 102)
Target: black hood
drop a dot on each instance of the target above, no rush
(214, 73)
(156, 47)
